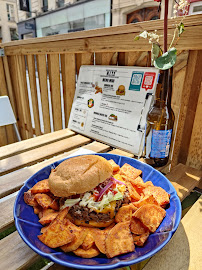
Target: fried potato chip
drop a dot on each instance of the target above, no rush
(29, 199)
(145, 200)
(149, 183)
(55, 205)
(119, 240)
(79, 236)
(40, 187)
(57, 234)
(137, 227)
(130, 171)
(88, 241)
(138, 184)
(37, 209)
(43, 200)
(48, 218)
(150, 215)
(139, 240)
(133, 193)
(115, 166)
(133, 207)
(124, 214)
(90, 253)
(44, 228)
(161, 196)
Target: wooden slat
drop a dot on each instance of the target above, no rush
(32, 143)
(6, 217)
(84, 59)
(7, 185)
(15, 79)
(7, 133)
(23, 95)
(121, 153)
(184, 251)
(3, 136)
(128, 58)
(188, 105)
(68, 67)
(54, 78)
(9, 85)
(104, 58)
(184, 179)
(38, 154)
(15, 254)
(194, 158)
(33, 89)
(42, 75)
(120, 38)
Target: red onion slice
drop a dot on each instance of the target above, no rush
(104, 190)
(121, 183)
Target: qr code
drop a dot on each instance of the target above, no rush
(136, 80)
(148, 80)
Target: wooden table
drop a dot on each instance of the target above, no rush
(20, 160)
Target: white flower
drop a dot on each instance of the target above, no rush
(143, 34)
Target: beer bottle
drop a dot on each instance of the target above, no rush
(160, 120)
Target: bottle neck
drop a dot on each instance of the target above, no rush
(164, 89)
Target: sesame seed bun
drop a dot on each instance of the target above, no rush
(78, 175)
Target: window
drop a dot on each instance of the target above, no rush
(60, 3)
(10, 12)
(14, 34)
(44, 5)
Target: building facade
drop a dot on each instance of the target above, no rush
(132, 11)
(51, 17)
(8, 20)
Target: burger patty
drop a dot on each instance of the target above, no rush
(87, 214)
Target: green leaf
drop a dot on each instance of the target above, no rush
(137, 38)
(180, 29)
(167, 60)
(154, 52)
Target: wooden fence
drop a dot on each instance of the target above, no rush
(52, 64)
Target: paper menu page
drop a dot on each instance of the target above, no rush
(111, 103)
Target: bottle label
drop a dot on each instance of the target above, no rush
(160, 144)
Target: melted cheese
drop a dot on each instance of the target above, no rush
(110, 208)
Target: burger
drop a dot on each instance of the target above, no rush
(85, 184)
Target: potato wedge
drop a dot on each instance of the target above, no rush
(90, 253)
(57, 234)
(43, 200)
(145, 200)
(150, 215)
(88, 241)
(119, 240)
(29, 199)
(139, 240)
(40, 187)
(130, 171)
(161, 196)
(133, 193)
(124, 214)
(137, 227)
(115, 166)
(79, 236)
(48, 218)
(55, 205)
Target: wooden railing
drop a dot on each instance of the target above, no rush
(51, 65)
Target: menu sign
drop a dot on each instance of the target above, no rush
(111, 104)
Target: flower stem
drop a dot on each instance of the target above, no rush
(165, 26)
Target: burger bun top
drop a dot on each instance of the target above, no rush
(78, 175)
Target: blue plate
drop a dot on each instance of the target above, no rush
(28, 226)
